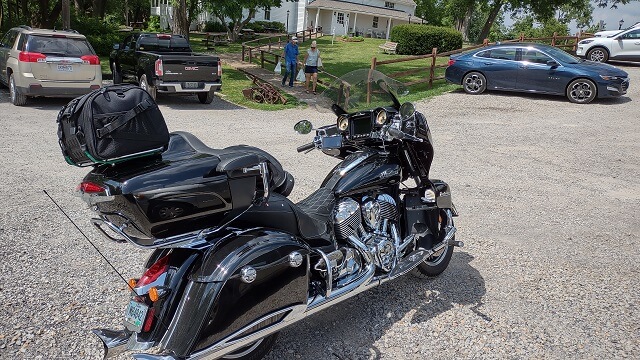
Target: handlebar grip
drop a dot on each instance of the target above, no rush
(396, 133)
(306, 147)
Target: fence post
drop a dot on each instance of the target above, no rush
(521, 37)
(553, 40)
(434, 53)
(373, 63)
(242, 52)
(303, 35)
(250, 48)
(262, 59)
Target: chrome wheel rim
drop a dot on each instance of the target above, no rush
(581, 91)
(597, 55)
(143, 84)
(473, 83)
(244, 352)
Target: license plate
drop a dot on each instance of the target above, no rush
(135, 315)
(191, 85)
(65, 68)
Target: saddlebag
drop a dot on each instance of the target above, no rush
(110, 125)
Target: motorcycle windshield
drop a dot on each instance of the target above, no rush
(360, 90)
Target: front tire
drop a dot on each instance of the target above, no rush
(117, 75)
(16, 99)
(255, 351)
(438, 262)
(206, 97)
(474, 83)
(598, 54)
(144, 83)
(581, 91)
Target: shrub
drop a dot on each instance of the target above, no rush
(260, 26)
(100, 34)
(417, 39)
(154, 24)
(214, 26)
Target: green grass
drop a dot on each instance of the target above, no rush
(234, 81)
(198, 45)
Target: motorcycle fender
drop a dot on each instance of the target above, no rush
(443, 194)
(221, 298)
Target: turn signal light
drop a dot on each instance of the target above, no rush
(153, 294)
(451, 62)
(132, 283)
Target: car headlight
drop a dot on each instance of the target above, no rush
(584, 42)
(608, 77)
(381, 118)
(343, 123)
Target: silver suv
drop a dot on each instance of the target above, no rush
(38, 62)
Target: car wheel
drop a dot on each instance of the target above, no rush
(16, 99)
(598, 54)
(144, 84)
(474, 83)
(117, 76)
(581, 91)
(206, 97)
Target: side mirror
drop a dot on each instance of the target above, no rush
(407, 110)
(116, 46)
(303, 127)
(553, 63)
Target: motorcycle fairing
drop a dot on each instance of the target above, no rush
(217, 303)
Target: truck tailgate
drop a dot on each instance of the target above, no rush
(189, 68)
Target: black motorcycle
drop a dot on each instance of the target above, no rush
(235, 261)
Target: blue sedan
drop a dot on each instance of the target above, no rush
(535, 68)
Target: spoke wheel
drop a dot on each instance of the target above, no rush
(598, 55)
(581, 91)
(474, 83)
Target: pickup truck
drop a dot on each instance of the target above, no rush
(164, 63)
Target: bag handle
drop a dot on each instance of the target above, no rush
(143, 106)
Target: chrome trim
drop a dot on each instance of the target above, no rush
(248, 274)
(135, 345)
(329, 277)
(178, 87)
(362, 248)
(354, 163)
(295, 259)
(114, 342)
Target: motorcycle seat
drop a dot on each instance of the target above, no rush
(239, 156)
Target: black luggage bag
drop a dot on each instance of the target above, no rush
(110, 125)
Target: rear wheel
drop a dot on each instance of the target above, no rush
(474, 83)
(16, 99)
(581, 91)
(438, 262)
(117, 76)
(206, 97)
(255, 351)
(598, 54)
(144, 83)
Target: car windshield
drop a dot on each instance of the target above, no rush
(58, 46)
(562, 56)
(361, 90)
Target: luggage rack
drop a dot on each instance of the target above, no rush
(190, 239)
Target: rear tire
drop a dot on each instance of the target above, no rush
(16, 99)
(474, 83)
(206, 97)
(598, 54)
(255, 351)
(144, 84)
(117, 76)
(437, 263)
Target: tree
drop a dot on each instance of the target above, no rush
(611, 3)
(233, 10)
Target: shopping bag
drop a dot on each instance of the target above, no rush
(278, 68)
(301, 76)
(319, 62)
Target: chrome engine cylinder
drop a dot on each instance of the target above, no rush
(347, 218)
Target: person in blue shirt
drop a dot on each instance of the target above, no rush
(290, 55)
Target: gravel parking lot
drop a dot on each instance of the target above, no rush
(548, 194)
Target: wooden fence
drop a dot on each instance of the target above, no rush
(429, 69)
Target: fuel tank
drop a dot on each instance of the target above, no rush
(363, 171)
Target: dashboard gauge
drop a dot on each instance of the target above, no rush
(343, 123)
(381, 118)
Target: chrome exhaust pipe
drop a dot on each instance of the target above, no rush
(114, 342)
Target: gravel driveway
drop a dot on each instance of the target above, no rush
(548, 194)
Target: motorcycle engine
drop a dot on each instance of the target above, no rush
(371, 223)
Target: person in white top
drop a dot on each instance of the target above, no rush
(311, 63)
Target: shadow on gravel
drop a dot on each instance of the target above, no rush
(360, 327)
(555, 98)
(190, 102)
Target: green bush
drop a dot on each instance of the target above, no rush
(153, 25)
(100, 34)
(214, 26)
(260, 26)
(417, 39)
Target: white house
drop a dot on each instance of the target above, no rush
(373, 18)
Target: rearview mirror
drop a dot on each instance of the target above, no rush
(303, 127)
(116, 46)
(407, 109)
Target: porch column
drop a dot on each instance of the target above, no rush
(388, 28)
(317, 17)
(355, 21)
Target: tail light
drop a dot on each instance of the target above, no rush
(163, 36)
(90, 59)
(452, 61)
(149, 320)
(219, 69)
(159, 70)
(87, 187)
(153, 273)
(26, 56)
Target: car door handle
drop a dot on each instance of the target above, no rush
(637, 43)
(523, 67)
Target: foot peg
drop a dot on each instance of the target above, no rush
(456, 243)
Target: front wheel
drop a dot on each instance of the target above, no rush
(117, 76)
(144, 83)
(598, 54)
(474, 83)
(206, 97)
(438, 262)
(255, 351)
(581, 91)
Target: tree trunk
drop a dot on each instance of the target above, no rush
(1, 12)
(180, 19)
(66, 14)
(495, 10)
(462, 24)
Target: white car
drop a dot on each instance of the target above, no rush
(606, 33)
(625, 45)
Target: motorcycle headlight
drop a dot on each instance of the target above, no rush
(584, 42)
(343, 123)
(608, 77)
(381, 118)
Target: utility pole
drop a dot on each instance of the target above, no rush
(66, 14)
